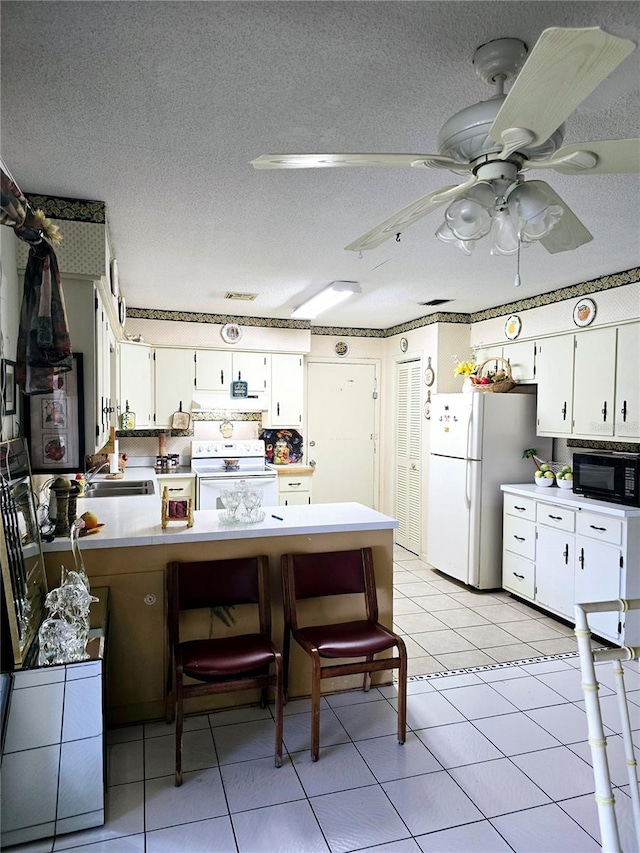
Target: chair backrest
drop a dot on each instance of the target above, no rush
(218, 583)
(329, 573)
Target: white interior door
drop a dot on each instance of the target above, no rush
(408, 443)
(341, 418)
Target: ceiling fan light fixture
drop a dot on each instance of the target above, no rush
(534, 213)
(334, 294)
(503, 234)
(446, 235)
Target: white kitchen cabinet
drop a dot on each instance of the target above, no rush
(174, 377)
(254, 368)
(294, 488)
(287, 392)
(584, 551)
(627, 398)
(594, 382)
(521, 356)
(555, 571)
(554, 374)
(213, 370)
(217, 369)
(179, 486)
(135, 382)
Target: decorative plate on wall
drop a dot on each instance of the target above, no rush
(404, 344)
(512, 327)
(231, 333)
(584, 312)
(122, 311)
(341, 348)
(114, 278)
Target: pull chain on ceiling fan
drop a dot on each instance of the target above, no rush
(495, 141)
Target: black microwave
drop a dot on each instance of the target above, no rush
(613, 477)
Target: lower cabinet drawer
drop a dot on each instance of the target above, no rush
(179, 487)
(520, 507)
(556, 516)
(519, 536)
(600, 527)
(518, 575)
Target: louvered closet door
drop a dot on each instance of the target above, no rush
(408, 488)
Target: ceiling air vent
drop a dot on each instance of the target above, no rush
(241, 297)
(433, 302)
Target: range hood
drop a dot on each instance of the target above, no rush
(210, 401)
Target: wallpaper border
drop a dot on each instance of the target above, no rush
(596, 285)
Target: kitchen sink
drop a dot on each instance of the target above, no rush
(119, 488)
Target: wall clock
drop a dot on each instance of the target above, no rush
(231, 333)
(429, 375)
(404, 344)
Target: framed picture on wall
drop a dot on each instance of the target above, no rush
(55, 424)
(9, 394)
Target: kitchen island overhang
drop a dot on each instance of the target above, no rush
(130, 555)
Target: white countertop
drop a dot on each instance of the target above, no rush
(565, 497)
(133, 521)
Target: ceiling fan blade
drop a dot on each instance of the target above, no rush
(407, 216)
(564, 67)
(568, 233)
(324, 161)
(607, 157)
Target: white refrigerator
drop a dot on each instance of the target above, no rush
(477, 441)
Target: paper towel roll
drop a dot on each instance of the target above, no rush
(113, 463)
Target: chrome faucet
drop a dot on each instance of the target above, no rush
(91, 473)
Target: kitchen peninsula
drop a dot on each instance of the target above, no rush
(129, 555)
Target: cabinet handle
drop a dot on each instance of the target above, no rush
(520, 508)
(602, 529)
(555, 517)
(278, 408)
(222, 377)
(581, 558)
(519, 538)
(295, 484)
(565, 554)
(604, 412)
(564, 411)
(623, 411)
(520, 577)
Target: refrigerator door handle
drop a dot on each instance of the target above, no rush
(467, 480)
(469, 425)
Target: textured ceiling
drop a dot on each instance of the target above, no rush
(156, 108)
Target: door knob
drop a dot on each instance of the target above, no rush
(312, 444)
(312, 462)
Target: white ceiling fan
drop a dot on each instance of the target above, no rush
(495, 141)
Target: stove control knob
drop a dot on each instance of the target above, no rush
(210, 449)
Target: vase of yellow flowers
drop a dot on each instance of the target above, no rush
(467, 369)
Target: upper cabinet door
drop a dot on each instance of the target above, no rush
(252, 367)
(521, 358)
(554, 372)
(136, 382)
(173, 383)
(213, 370)
(627, 414)
(594, 382)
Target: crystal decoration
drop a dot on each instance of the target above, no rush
(242, 504)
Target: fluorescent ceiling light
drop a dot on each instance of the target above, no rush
(332, 295)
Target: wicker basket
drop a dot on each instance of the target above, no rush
(500, 387)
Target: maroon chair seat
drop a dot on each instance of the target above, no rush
(307, 576)
(241, 661)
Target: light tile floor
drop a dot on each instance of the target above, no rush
(496, 758)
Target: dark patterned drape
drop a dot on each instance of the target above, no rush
(44, 346)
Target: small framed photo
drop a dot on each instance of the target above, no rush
(512, 327)
(231, 333)
(584, 312)
(9, 391)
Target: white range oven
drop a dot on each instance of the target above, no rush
(217, 464)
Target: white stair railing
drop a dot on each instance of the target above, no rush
(605, 800)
